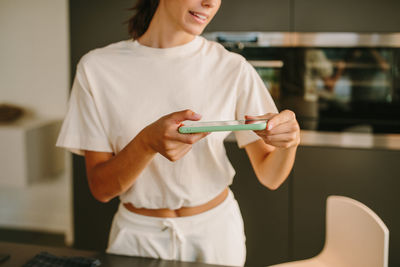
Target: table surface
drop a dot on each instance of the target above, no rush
(22, 253)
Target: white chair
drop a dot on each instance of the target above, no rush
(355, 237)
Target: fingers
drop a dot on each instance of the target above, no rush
(281, 118)
(190, 138)
(287, 127)
(284, 140)
(163, 136)
(282, 129)
(177, 151)
(184, 115)
(172, 123)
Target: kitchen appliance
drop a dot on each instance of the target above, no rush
(333, 81)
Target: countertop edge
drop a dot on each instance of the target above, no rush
(345, 140)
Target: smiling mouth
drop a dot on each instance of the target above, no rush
(198, 16)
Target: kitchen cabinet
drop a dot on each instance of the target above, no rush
(370, 176)
(96, 23)
(252, 15)
(265, 212)
(288, 223)
(308, 16)
(92, 219)
(346, 15)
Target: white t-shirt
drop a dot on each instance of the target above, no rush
(122, 88)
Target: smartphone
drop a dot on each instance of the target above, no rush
(220, 126)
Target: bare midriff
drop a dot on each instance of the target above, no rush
(184, 211)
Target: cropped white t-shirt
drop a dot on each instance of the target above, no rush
(120, 89)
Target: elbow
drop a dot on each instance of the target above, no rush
(99, 193)
(102, 199)
(100, 196)
(271, 185)
(272, 182)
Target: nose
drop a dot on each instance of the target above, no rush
(210, 3)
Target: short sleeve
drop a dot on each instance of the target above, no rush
(253, 100)
(82, 128)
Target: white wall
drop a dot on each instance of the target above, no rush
(34, 55)
(34, 73)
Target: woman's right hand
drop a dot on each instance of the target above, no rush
(163, 137)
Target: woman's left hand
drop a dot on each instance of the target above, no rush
(282, 129)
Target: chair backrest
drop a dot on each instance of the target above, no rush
(355, 235)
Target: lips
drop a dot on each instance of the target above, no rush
(199, 16)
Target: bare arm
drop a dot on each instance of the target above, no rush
(110, 175)
(273, 157)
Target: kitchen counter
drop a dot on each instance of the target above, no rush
(22, 253)
(350, 140)
(345, 140)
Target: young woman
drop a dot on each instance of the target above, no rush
(127, 103)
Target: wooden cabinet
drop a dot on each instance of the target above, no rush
(346, 15)
(252, 15)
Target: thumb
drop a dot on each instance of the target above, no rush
(184, 115)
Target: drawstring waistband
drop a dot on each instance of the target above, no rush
(177, 236)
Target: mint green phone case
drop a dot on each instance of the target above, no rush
(221, 128)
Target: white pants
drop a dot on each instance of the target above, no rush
(215, 236)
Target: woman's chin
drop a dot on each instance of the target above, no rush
(195, 30)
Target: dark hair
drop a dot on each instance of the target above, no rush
(140, 21)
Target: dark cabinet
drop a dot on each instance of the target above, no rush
(308, 16)
(346, 16)
(288, 223)
(252, 15)
(367, 175)
(92, 219)
(265, 212)
(96, 23)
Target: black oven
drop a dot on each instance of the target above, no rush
(333, 81)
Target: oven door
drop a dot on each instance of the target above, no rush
(270, 73)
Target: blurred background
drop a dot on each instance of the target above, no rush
(336, 63)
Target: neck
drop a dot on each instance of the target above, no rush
(164, 35)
